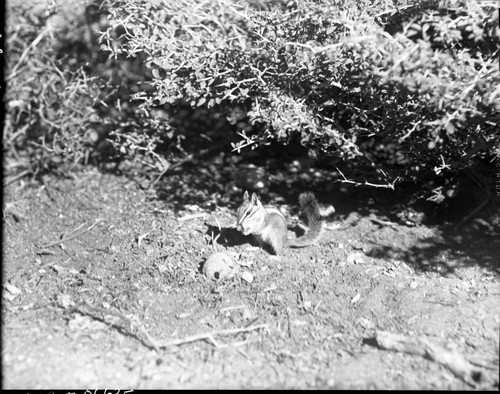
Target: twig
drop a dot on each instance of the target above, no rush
(388, 186)
(231, 308)
(289, 324)
(33, 44)
(150, 341)
(45, 251)
(143, 331)
(452, 360)
(213, 341)
(22, 130)
(488, 364)
(218, 224)
(474, 212)
(165, 170)
(188, 158)
(252, 322)
(209, 336)
(270, 288)
(16, 177)
(75, 230)
(319, 49)
(72, 236)
(382, 222)
(193, 216)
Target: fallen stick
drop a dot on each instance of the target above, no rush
(32, 45)
(149, 342)
(193, 216)
(450, 359)
(345, 180)
(75, 230)
(483, 363)
(231, 308)
(209, 336)
(16, 177)
(71, 236)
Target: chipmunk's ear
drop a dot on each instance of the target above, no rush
(255, 199)
(245, 196)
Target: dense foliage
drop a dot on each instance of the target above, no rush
(412, 87)
(409, 88)
(68, 102)
(49, 106)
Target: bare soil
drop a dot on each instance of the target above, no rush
(83, 312)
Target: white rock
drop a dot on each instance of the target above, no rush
(219, 266)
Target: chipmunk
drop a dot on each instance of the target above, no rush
(268, 225)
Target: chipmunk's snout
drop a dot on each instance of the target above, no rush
(241, 229)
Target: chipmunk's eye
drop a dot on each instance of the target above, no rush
(247, 213)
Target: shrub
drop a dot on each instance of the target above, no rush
(410, 88)
(407, 88)
(49, 106)
(68, 102)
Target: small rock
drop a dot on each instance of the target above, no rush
(12, 289)
(365, 323)
(219, 266)
(65, 301)
(355, 298)
(247, 276)
(355, 258)
(327, 211)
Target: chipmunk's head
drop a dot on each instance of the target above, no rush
(251, 215)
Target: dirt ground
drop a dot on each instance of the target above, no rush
(124, 274)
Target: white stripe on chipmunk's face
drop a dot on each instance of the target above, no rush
(248, 219)
(245, 214)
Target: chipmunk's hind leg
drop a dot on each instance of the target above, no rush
(278, 244)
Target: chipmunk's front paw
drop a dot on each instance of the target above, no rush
(275, 259)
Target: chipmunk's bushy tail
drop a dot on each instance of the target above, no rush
(309, 205)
